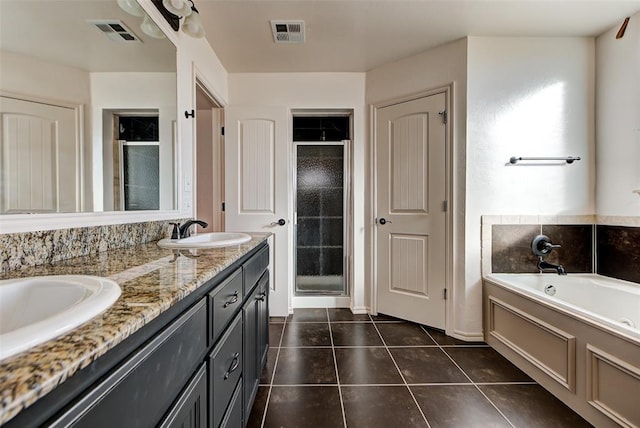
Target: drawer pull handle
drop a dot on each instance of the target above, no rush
(233, 300)
(261, 296)
(234, 365)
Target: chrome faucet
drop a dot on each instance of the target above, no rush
(543, 264)
(184, 231)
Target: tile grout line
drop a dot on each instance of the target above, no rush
(468, 377)
(406, 385)
(273, 375)
(335, 366)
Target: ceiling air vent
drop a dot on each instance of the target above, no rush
(115, 30)
(288, 31)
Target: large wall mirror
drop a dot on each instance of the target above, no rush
(88, 110)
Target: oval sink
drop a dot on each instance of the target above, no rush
(206, 240)
(36, 309)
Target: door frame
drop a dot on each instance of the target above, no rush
(447, 91)
(201, 84)
(330, 301)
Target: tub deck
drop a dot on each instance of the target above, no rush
(587, 360)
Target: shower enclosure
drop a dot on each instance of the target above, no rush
(321, 182)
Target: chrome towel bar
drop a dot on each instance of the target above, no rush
(568, 159)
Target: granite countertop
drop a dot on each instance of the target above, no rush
(152, 280)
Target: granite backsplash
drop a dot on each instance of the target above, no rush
(18, 250)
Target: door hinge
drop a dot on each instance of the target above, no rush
(443, 114)
(223, 206)
(445, 206)
(222, 131)
(444, 293)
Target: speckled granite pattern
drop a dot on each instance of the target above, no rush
(152, 280)
(19, 250)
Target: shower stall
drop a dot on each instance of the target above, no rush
(322, 148)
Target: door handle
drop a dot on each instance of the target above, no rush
(280, 222)
(383, 221)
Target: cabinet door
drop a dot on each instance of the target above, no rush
(139, 392)
(190, 411)
(250, 369)
(263, 321)
(256, 339)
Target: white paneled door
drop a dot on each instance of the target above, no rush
(411, 245)
(40, 157)
(257, 160)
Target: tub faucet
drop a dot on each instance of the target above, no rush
(543, 264)
(184, 230)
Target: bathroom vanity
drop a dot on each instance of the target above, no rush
(184, 346)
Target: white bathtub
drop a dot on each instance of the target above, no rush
(582, 343)
(599, 299)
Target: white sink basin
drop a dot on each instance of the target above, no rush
(36, 309)
(206, 240)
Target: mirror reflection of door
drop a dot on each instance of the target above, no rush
(40, 157)
(209, 177)
(136, 163)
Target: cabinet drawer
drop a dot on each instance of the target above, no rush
(141, 390)
(253, 269)
(225, 369)
(224, 302)
(233, 418)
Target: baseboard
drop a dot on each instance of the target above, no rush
(468, 336)
(321, 302)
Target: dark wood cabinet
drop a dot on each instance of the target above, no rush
(256, 338)
(190, 410)
(200, 367)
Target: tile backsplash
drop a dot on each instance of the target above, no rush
(619, 252)
(511, 247)
(18, 250)
(586, 247)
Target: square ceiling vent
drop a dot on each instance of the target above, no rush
(288, 31)
(115, 30)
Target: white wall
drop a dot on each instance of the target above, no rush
(526, 97)
(318, 91)
(435, 68)
(29, 76)
(618, 121)
(112, 92)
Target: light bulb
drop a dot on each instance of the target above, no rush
(192, 25)
(131, 7)
(177, 7)
(150, 28)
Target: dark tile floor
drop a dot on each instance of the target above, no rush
(330, 368)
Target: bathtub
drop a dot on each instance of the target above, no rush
(601, 300)
(577, 335)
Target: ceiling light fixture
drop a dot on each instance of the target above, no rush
(192, 24)
(148, 27)
(131, 7)
(177, 7)
(172, 11)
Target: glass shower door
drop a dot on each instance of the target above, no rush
(320, 207)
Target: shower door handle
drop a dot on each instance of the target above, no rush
(280, 222)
